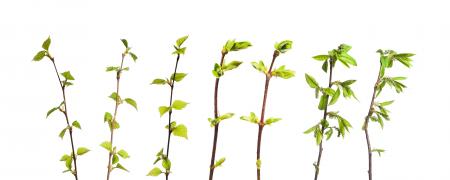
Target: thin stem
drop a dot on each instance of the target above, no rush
(172, 85)
(119, 72)
(325, 112)
(216, 127)
(263, 109)
(63, 89)
(366, 123)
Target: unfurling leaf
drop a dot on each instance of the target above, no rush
(219, 162)
(179, 104)
(252, 118)
(181, 131)
(181, 40)
(260, 66)
(283, 46)
(131, 102)
(154, 172)
(283, 73)
(82, 150)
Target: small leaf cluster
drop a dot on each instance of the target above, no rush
(68, 159)
(214, 121)
(329, 95)
(231, 45)
(281, 72)
(177, 130)
(116, 155)
(378, 112)
(252, 118)
(165, 163)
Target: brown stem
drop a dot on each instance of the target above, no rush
(325, 113)
(169, 132)
(366, 123)
(119, 72)
(263, 109)
(216, 127)
(63, 89)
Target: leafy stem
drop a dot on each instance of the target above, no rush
(218, 72)
(377, 111)
(114, 154)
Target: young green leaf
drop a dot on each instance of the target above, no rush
(115, 159)
(181, 131)
(39, 56)
(259, 66)
(283, 73)
(62, 133)
(272, 120)
(125, 42)
(178, 77)
(252, 118)
(51, 111)
(154, 172)
(163, 110)
(240, 45)
(131, 102)
(67, 75)
(311, 129)
(181, 40)
(379, 151)
(120, 166)
(159, 81)
(323, 102)
(179, 104)
(321, 57)
(232, 65)
(124, 154)
(133, 56)
(46, 43)
(283, 46)
(112, 68)
(107, 117)
(335, 96)
(76, 124)
(311, 81)
(166, 164)
(107, 145)
(82, 150)
(219, 162)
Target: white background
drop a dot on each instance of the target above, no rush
(85, 39)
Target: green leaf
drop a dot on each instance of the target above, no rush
(124, 154)
(67, 75)
(348, 82)
(181, 40)
(179, 104)
(328, 91)
(386, 103)
(112, 68)
(51, 111)
(240, 45)
(252, 118)
(323, 102)
(219, 162)
(318, 135)
(163, 110)
(107, 117)
(69, 163)
(115, 159)
(39, 56)
(131, 102)
(125, 42)
(159, 81)
(166, 164)
(226, 116)
(82, 150)
(65, 157)
(181, 131)
(114, 96)
(260, 66)
(47, 43)
(228, 46)
(119, 166)
(154, 172)
(178, 77)
(335, 96)
(283, 73)
(107, 145)
(346, 59)
(272, 120)
(76, 124)
(321, 57)
(311, 81)
(133, 56)
(217, 71)
(283, 46)
(404, 59)
(311, 129)
(232, 65)
(379, 151)
(325, 66)
(62, 133)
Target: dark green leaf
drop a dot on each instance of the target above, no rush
(133, 56)
(125, 42)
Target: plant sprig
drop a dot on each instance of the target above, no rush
(114, 153)
(270, 72)
(172, 127)
(218, 71)
(65, 80)
(333, 90)
(377, 109)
